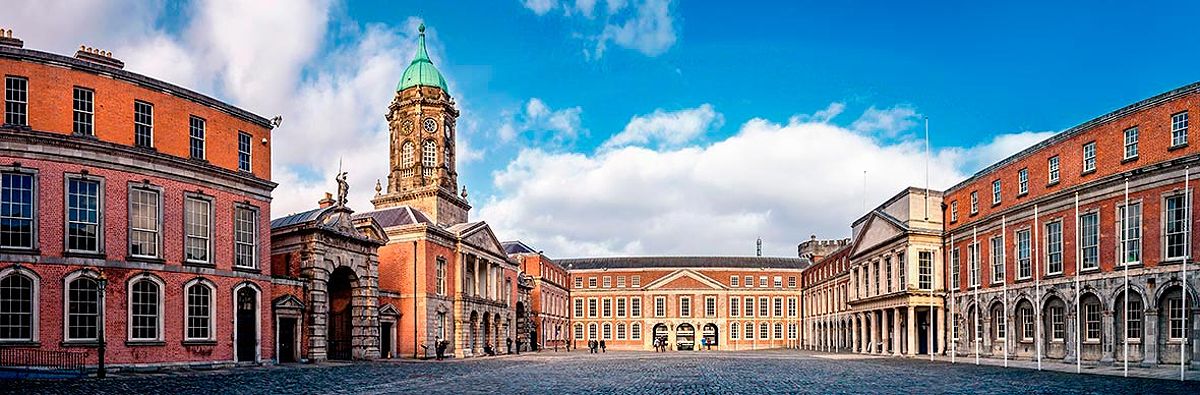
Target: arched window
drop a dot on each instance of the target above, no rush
(733, 330)
(428, 158)
(199, 311)
(18, 306)
(578, 331)
(749, 331)
(778, 330)
(763, 331)
(406, 158)
(592, 331)
(83, 308)
(145, 308)
(620, 331)
(607, 332)
(635, 331)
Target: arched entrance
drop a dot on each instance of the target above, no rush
(487, 333)
(685, 336)
(710, 335)
(660, 332)
(472, 335)
(341, 314)
(246, 300)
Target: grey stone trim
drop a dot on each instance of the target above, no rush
(90, 152)
(155, 267)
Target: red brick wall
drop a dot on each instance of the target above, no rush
(50, 109)
(50, 216)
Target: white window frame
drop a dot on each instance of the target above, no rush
(606, 308)
(212, 310)
(1089, 156)
(998, 258)
(685, 306)
(1024, 248)
(735, 306)
(996, 194)
(954, 211)
(1052, 169)
(1179, 129)
(660, 306)
(100, 212)
(710, 306)
(1087, 243)
(197, 131)
(635, 331)
(139, 123)
(21, 116)
(249, 152)
(635, 281)
(1051, 248)
(734, 281)
(1023, 181)
(635, 307)
(66, 311)
(1131, 237)
(1131, 143)
(254, 241)
(974, 202)
(1166, 226)
(129, 322)
(35, 302)
(83, 121)
(34, 224)
(158, 220)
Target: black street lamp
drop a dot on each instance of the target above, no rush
(101, 370)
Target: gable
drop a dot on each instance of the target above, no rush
(878, 230)
(481, 237)
(685, 279)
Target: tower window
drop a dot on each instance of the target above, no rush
(428, 158)
(406, 158)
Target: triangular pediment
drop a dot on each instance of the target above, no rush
(879, 229)
(288, 302)
(685, 279)
(480, 235)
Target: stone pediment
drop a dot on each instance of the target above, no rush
(480, 235)
(879, 229)
(685, 279)
(288, 302)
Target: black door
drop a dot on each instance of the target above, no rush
(247, 336)
(287, 340)
(385, 340)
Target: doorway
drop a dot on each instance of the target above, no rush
(247, 325)
(340, 314)
(385, 339)
(287, 339)
(685, 337)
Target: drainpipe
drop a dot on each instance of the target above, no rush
(415, 340)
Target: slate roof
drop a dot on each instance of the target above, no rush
(749, 262)
(517, 247)
(396, 216)
(298, 218)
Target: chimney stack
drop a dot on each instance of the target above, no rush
(98, 56)
(7, 39)
(327, 201)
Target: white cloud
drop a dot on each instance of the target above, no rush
(822, 116)
(648, 27)
(651, 31)
(780, 182)
(61, 26)
(667, 129)
(539, 7)
(541, 123)
(887, 123)
(975, 158)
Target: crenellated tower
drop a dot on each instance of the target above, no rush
(421, 121)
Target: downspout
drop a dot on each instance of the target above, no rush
(415, 340)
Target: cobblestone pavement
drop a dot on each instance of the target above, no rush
(771, 372)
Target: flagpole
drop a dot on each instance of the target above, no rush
(1004, 278)
(1079, 252)
(975, 259)
(1037, 284)
(1187, 255)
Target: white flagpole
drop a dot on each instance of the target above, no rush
(1037, 284)
(1187, 255)
(1004, 278)
(1125, 269)
(975, 293)
(1079, 250)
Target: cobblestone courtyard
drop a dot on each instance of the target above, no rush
(777, 372)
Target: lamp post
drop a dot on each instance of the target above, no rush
(101, 370)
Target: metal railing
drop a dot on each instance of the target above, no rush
(72, 363)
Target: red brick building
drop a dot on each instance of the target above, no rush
(133, 215)
(1039, 244)
(732, 303)
(549, 297)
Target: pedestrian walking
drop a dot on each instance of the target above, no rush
(602, 347)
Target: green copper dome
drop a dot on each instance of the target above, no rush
(421, 71)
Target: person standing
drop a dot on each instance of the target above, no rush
(602, 347)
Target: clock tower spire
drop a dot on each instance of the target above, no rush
(421, 121)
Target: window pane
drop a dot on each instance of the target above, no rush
(16, 210)
(16, 308)
(83, 215)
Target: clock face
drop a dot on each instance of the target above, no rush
(406, 127)
(430, 125)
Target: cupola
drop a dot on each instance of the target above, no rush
(421, 71)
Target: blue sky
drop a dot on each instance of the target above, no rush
(653, 126)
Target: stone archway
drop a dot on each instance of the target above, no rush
(340, 341)
(685, 336)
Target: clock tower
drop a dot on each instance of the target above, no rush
(421, 122)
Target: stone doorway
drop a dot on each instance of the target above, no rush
(341, 314)
(247, 324)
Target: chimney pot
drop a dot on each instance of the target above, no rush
(326, 201)
(7, 39)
